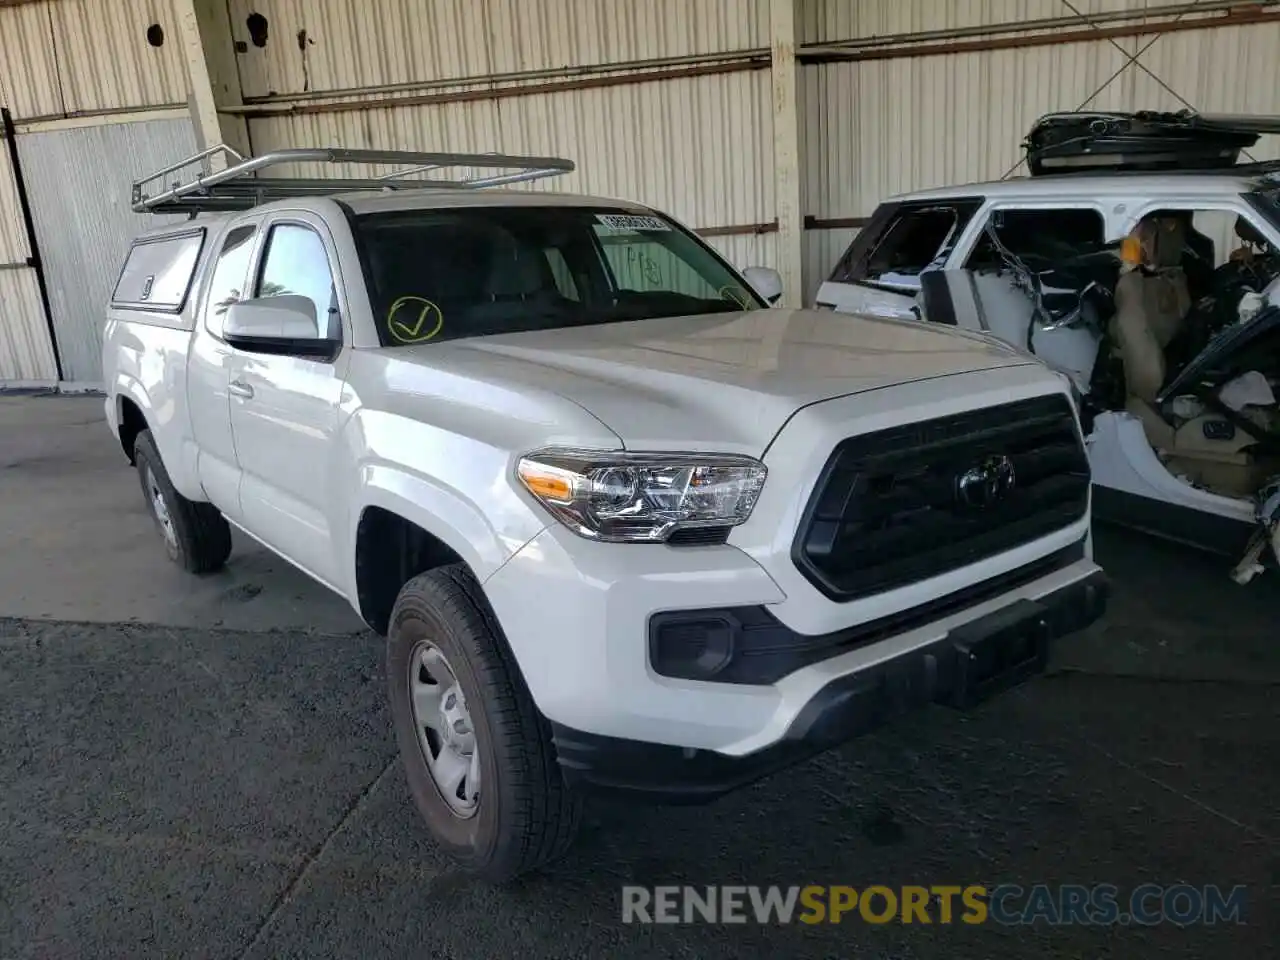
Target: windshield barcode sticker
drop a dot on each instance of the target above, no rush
(626, 221)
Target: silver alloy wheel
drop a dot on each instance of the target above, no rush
(445, 733)
(161, 510)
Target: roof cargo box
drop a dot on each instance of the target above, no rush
(1090, 142)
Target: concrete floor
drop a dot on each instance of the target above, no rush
(79, 544)
(204, 767)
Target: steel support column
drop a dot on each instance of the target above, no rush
(212, 75)
(786, 148)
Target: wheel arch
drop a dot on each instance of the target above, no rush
(131, 419)
(406, 525)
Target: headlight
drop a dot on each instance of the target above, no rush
(642, 497)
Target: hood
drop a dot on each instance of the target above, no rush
(724, 382)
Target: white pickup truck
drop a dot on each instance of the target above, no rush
(624, 525)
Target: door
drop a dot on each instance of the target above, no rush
(209, 370)
(1060, 243)
(285, 409)
(880, 272)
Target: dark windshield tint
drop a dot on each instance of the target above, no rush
(438, 275)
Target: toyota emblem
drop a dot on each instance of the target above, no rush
(986, 484)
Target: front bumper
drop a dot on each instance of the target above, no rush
(577, 616)
(972, 662)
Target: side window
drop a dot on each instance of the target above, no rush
(1039, 235)
(903, 240)
(226, 285)
(157, 272)
(1223, 236)
(1216, 246)
(296, 262)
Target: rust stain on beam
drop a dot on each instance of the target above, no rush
(835, 223)
(738, 230)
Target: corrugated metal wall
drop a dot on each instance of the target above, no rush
(68, 58)
(61, 57)
(78, 181)
(699, 147)
(26, 356)
(362, 43)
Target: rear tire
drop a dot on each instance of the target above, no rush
(196, 536)
(522, 815)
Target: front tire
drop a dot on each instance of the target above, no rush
(196, 536)
(477, 754)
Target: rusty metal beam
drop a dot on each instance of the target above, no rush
(835, 223)
(1235, 17)
(1073, 19)
(503, 93)
(738, 229)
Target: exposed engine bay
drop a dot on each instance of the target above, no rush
(1157, 326)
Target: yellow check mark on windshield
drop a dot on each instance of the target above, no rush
(411, 328)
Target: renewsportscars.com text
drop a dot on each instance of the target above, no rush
(1005, 904)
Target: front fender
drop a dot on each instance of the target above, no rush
(447, 464)
(446, 514)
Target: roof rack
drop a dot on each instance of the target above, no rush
(1084, 142)
(238, 187)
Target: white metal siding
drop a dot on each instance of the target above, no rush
(13, 233)
(69, 56)
(26, 355)
(355, 43)
(880, 127)
(690, 146)
(78, 181)
(104, 57)
(28, 71)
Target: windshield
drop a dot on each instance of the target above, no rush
(436, 275)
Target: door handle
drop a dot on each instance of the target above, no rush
(238, 388)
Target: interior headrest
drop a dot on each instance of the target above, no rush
(1163, 240)
(1247, 232)
(515, 270)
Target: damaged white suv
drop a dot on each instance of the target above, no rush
(625, 526)
(1143, 262)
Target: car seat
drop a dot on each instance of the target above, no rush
(516, 272)
(1151, 306)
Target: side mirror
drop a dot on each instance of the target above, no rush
(285, 325)
(765, 281)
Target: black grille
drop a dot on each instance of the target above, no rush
(888, 509)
